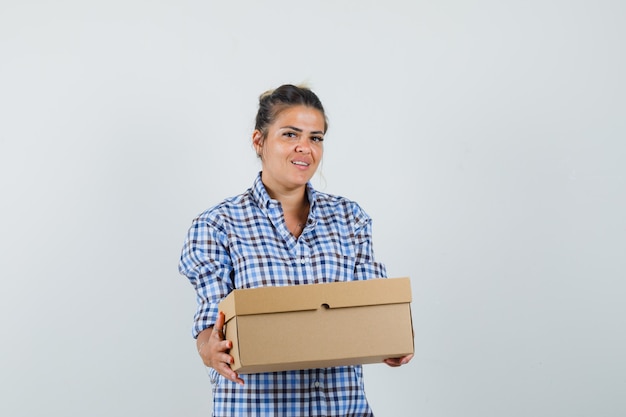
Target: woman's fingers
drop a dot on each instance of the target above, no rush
(224, 369)
(395, 362)
(221, 355)
(214, 351)
(219, 326)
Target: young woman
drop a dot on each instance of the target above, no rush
(279, 232)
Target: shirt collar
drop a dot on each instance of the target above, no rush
(263, 199)
(259, 193)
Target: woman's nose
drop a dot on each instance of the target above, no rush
(303, 147)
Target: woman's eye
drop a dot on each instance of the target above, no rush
(290, 134)
(317, 139)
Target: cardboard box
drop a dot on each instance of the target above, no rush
(318, 325)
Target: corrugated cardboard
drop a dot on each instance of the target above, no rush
(319, 325)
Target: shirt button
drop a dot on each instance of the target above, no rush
(317, 384)
(303, 260)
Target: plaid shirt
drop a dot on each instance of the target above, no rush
(243, 242)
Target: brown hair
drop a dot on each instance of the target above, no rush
(273, 102)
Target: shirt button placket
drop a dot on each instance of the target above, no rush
(320, 390)
(305, 263)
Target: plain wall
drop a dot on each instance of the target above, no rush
(485, 138)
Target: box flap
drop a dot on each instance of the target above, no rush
(265, 300)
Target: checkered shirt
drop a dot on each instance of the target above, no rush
(243, 242)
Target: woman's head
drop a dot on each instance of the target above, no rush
(273, 102)
(289, 137)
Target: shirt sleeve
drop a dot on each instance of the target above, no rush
(366, 266)
(205, 261)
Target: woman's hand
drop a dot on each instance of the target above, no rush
(395, 362)
(213, 350)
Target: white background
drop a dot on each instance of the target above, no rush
(485, 138)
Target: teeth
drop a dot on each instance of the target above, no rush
(300, 163)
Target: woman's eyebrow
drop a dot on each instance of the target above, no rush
(297, 129)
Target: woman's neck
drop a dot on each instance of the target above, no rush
(292, 199)
(295, 205)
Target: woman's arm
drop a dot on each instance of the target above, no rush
(367, 267)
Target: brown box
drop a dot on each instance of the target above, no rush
(318, 325)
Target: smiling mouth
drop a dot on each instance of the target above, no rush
(300, 163)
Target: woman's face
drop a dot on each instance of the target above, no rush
(292, 150)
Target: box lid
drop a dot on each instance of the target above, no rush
(265, 300)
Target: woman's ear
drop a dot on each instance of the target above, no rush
(257, 142)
